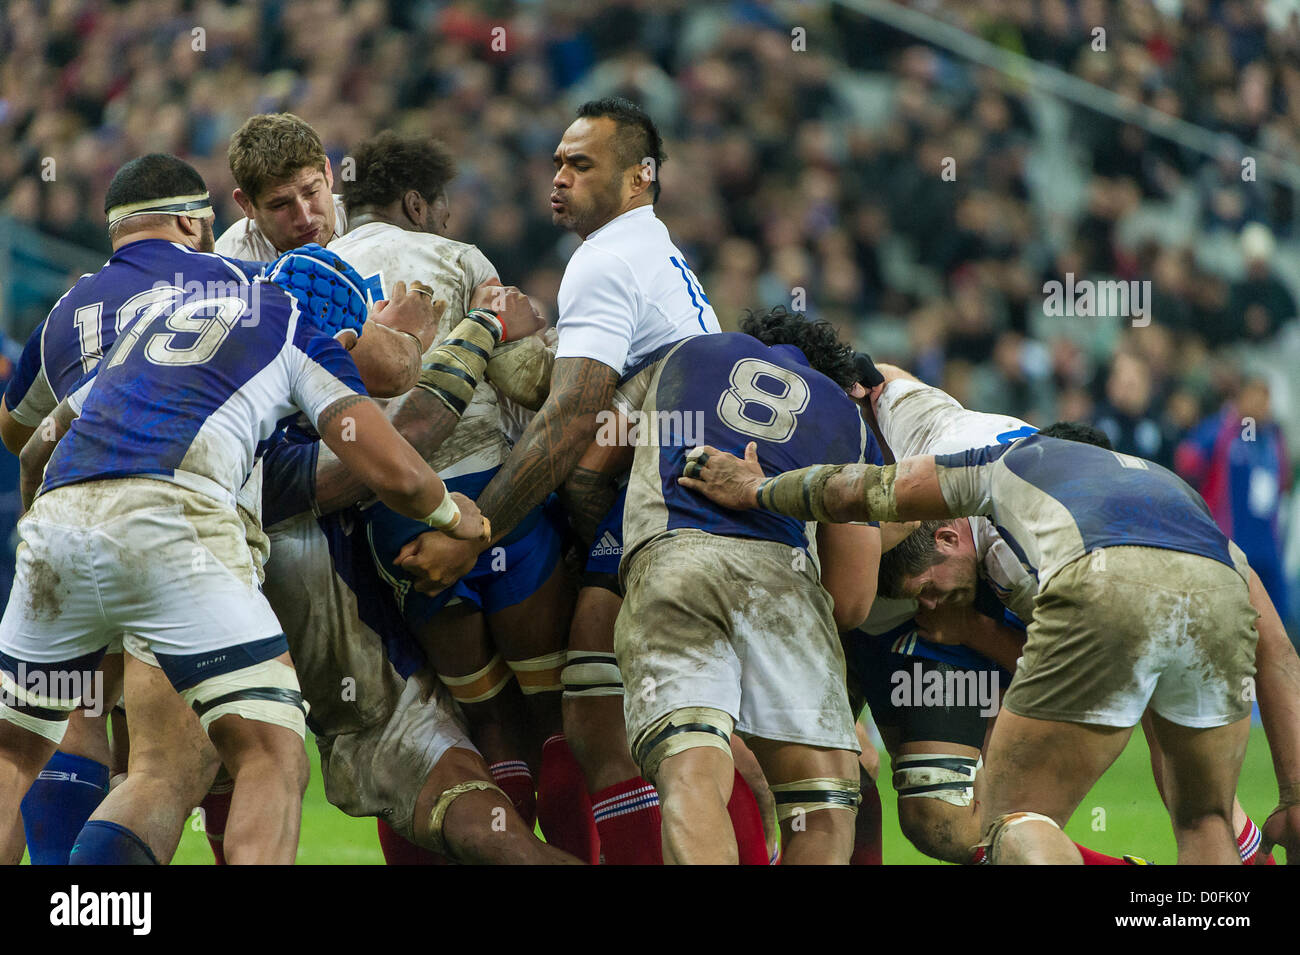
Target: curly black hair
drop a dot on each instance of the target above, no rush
(638, 138)
(388, 166)
(1078, 431)
(818, 341)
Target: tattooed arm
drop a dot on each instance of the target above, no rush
(553, 443)
(590, 491)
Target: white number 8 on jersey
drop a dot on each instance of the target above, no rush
(784, 405)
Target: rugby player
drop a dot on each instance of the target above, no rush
(627, 296)
(728, 624)
(392, 743)
(973, 586)
(1139, 591)
(69, 343)
(159, 519)
(500, 629)
(936, 750)
(280, 155)
(283, 183)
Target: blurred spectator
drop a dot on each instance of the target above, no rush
(1127, 416)
(1237, 459)
(1259, 303)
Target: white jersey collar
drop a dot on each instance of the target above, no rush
(626, 217)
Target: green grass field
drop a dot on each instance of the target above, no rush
(1134, 819)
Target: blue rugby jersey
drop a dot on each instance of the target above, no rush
(726, 390)
(87, 319)
(206, 367)
(1053, 501)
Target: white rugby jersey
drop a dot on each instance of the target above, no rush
(916, 418)
(386, 254)
(244, 240)
(627, 292)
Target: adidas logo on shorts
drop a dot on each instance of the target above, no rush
(607, 546)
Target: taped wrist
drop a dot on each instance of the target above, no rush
(454, 369)
(446, 515)
(800, 493)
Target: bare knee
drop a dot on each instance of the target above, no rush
(255, 750)
(703, 773)
(939, 829)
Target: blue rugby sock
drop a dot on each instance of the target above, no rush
(107, 843)
(58, 805)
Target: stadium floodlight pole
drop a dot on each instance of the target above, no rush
(1057, 82)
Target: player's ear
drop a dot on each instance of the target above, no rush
(245, 204)
(329, 175)
(947, 540)
(642, 176)
(414, 207)
(192, 229)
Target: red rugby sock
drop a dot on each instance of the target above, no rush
(515, 779)
(563, 805)
(866, 833)
(400, 851)
(630, 826)
(216, 809)
(1092, 857)
(746, 819)
(1248, 841)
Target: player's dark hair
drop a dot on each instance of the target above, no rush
(914, 554)
(818, 341)
(637, 139)
(387, 166)
(152, 176)
(1078, 431)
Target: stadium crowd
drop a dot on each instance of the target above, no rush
(451, 587)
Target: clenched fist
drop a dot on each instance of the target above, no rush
(512, 307)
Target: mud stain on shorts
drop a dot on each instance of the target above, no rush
(43, 590)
